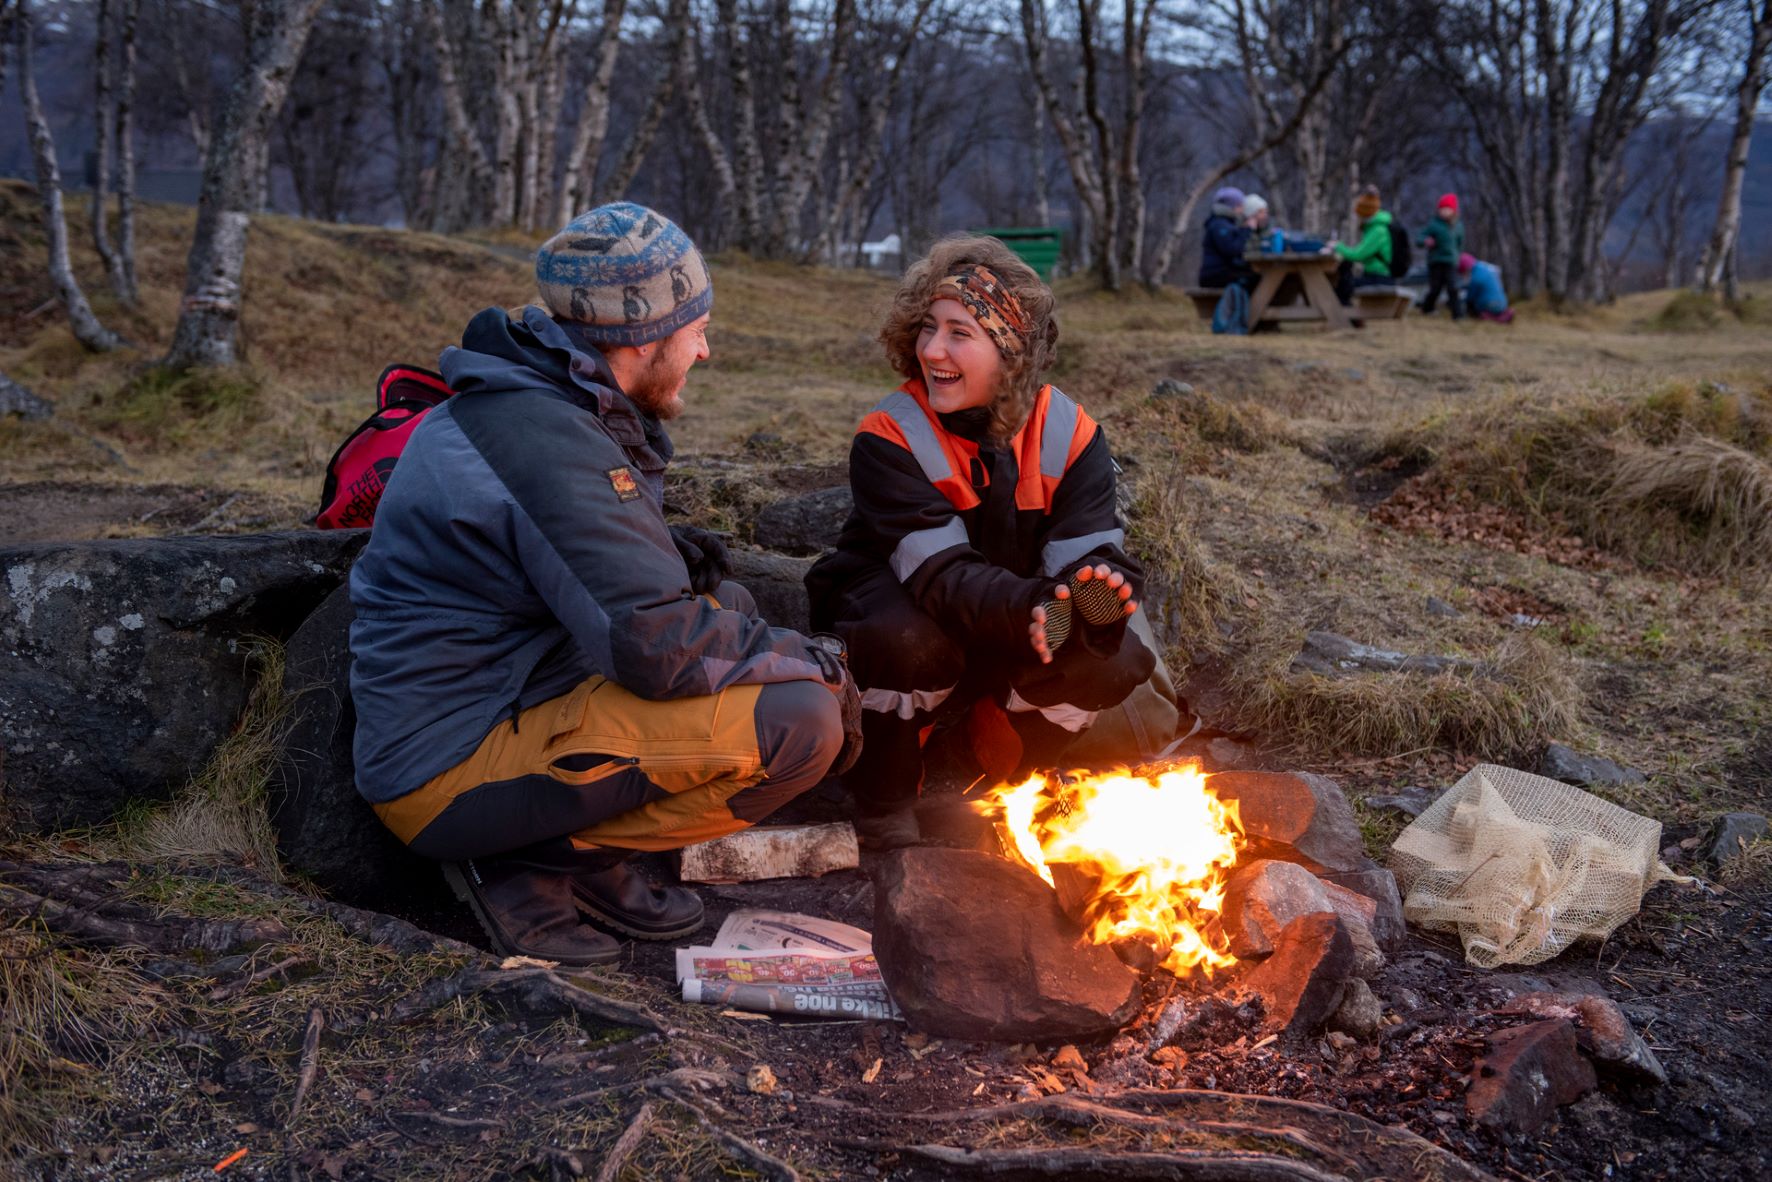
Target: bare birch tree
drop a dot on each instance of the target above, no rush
(1726, 232)
(105, 83)
(81, 318)
(593, 118)
(209, 317)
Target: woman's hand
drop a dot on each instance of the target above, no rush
(1113, 578)
(1037, 626)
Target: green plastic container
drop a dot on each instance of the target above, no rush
(1037, 246)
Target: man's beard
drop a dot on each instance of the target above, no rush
(655, 389)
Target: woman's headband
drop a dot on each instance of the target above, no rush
(990, 302)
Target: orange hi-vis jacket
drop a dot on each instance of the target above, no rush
(977, 532)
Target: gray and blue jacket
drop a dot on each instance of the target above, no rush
(521, 548)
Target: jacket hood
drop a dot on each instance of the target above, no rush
(500, 353)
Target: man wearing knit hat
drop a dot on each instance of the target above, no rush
(548, 678)
(1444, 239)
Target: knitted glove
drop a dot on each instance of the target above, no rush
(704, 553)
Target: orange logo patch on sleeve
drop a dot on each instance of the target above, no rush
(622, 481)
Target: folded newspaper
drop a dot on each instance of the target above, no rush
(778, 962)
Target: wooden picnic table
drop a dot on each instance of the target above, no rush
(1313, 270)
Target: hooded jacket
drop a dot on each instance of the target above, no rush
(976, 532)
(1445, 241)
(1373, 250)
(1221, 253)
(520, 549)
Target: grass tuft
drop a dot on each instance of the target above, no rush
(222, 816)
(181, 407)
(68, 1015)
(1187, 593)
(1518, 700)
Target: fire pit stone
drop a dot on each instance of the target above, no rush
(1263, 896)
(1302, 983)
(1602, 1031)
(1297, 817)
(976, 947)
(1380, 885)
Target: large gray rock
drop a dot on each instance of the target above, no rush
(1730, 835)
(807, 524)
(778, 585)
(325, 830)
(1331, 654)
(1295, 816)
(973, 946)
(1570, 766)
(1380, 885)
(125, 663)
(1264, 896)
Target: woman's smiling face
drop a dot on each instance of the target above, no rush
(960, 364)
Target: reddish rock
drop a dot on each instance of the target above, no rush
(1529, 1072)
(1379, 885)
(1602, 1032)
(1358, 915)
(1296, 817)
(975, 947)
(1302, 983)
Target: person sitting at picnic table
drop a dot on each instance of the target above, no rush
(1255, 213)
(983, 574)
(1444, 239)
(1227, 236)
(1483, 293)
(1371, 255)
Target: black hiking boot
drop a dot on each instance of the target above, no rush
(620, 898)
(527, 910)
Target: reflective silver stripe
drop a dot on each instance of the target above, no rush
(1055, 440)
(1074, 719)
(902, 409)
(1061, 553)
(915, 548)
(903, 703)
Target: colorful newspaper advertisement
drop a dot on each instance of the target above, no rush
(777, 962)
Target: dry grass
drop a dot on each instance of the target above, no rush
(222, 817)
(1189, 597)
(1524, 696)
(68, 1018)
(1681, 477)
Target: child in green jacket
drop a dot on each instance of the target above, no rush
(1372, 253)
(1444, 239)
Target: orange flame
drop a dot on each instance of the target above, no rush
(1156, 852)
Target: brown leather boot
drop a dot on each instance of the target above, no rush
(527, 910)
(619, 897)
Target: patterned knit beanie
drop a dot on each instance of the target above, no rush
(1367, 203)
(625, 274)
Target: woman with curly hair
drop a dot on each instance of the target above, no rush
(983, 572)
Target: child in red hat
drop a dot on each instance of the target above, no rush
(1444, 240)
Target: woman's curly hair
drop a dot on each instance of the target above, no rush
(1021, 378)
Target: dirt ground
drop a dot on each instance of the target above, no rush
(1307, 481)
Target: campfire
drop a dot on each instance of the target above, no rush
(1140, 860)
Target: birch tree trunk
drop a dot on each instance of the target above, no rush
(209, 318)
(463, 152)
(1727, 230)
(131, 293)
(593, 117)
(797, 164)
(719, 161)
(748, 162)
(104, 117)
(1086, 178)
(87, 329)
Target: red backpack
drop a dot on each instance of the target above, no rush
(358, 472)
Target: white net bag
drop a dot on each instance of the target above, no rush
(1521, 866)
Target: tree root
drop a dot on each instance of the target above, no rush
(760, 1160)
(1193, 1165)
(130, 925)
(310, 1062)
(1309, 1141)
(625, 1145)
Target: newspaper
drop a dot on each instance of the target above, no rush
(777, 962)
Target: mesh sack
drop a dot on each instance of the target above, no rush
(1521, 866)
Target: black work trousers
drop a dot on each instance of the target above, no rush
(1021, 715)
(1443, 277)
(1346, 281)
